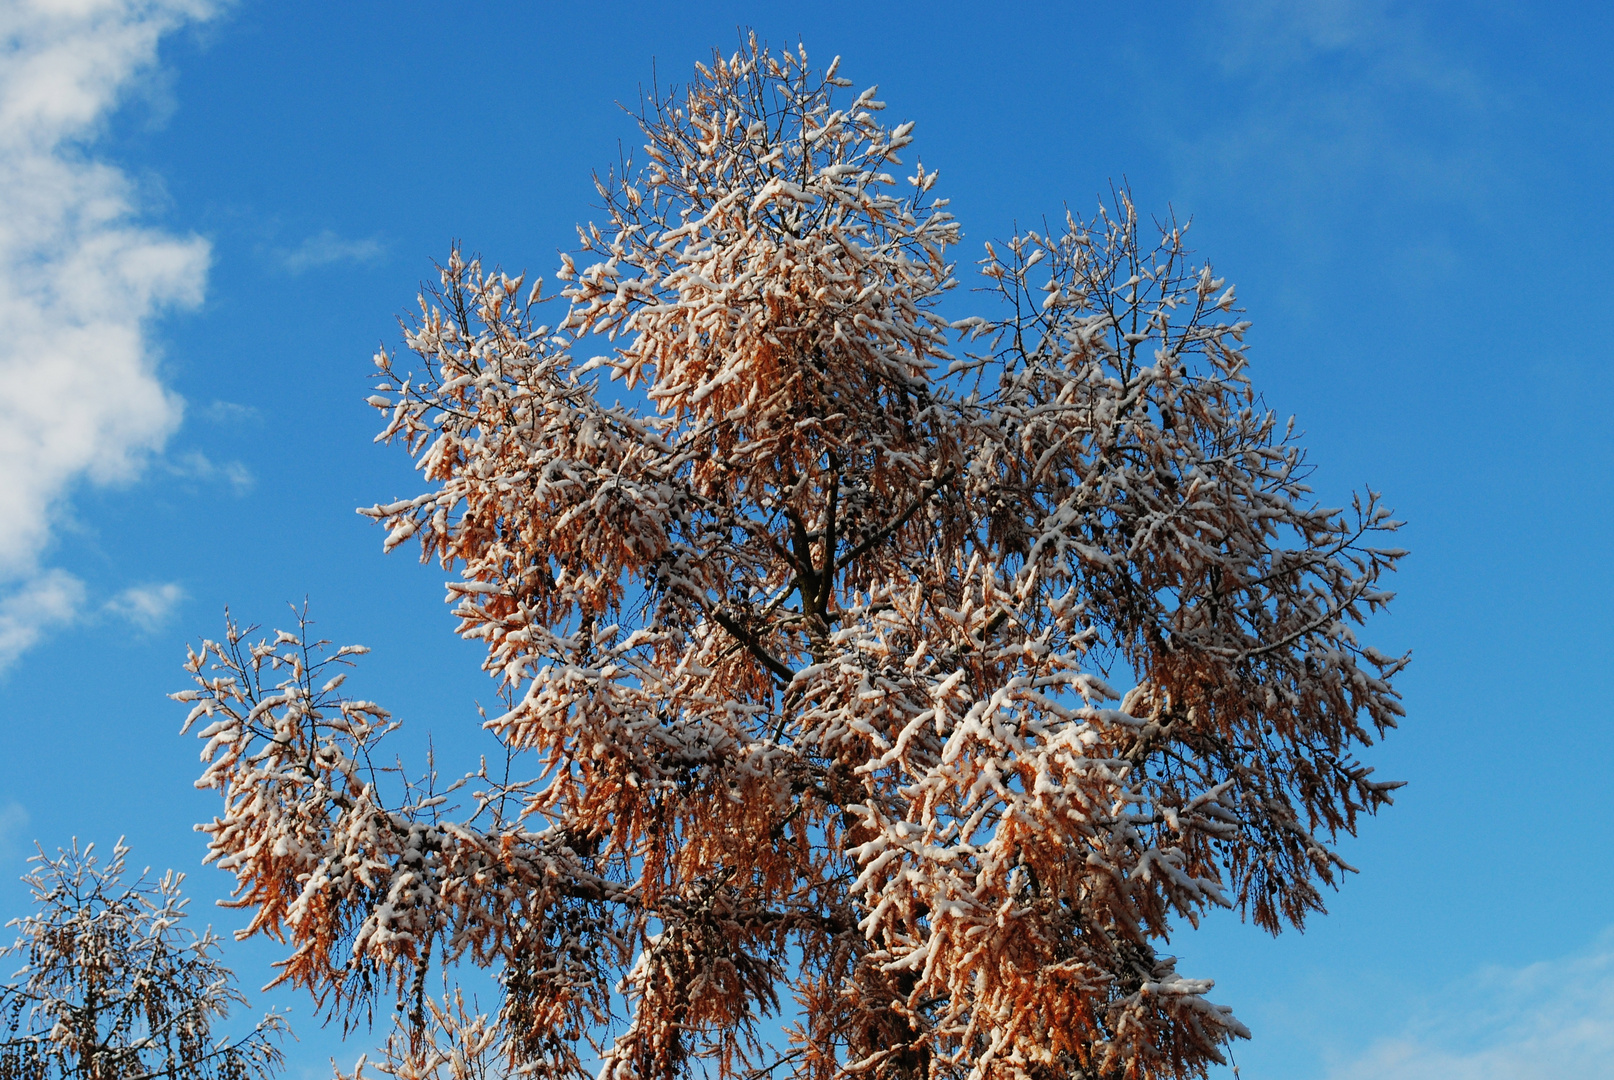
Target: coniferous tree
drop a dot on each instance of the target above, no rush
(812, 653)
(113, 986)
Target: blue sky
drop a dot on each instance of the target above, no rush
(213, 214)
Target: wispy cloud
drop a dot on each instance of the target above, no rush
(326, 248)
(146, 606)
(45, 601)
(13, 830)
(230, 412)
(1380, 45)
(1336, 96)
(80, 279)
(196, 465)
(1543, 1022)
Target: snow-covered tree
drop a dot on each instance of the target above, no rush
(808, 647)
(448, 1041)
(113, 986)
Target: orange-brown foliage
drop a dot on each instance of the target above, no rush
(809, 656)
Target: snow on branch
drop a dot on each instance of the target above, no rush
(807, 659)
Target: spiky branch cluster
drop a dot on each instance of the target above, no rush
(811, 654)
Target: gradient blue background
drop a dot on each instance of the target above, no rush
(1414, 201)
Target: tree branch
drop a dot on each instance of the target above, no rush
(749, 640)
(880, 537)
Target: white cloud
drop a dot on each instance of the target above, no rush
(43, 602)
(146, 606)
(1542, 1022)
(80, 279)
(326, 248)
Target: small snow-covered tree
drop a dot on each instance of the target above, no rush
(449, 1040)
(811, 652)
(113, 986)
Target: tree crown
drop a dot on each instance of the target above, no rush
(811, 655)
(114, 986)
